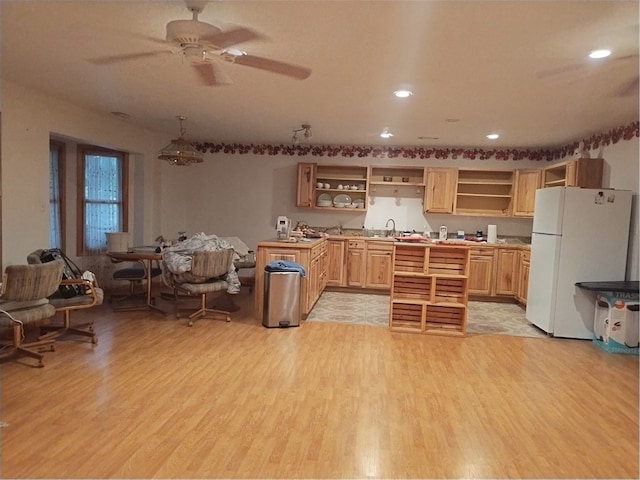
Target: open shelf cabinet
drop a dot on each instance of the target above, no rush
(484, 192)
(429, 289)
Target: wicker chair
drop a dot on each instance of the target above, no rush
(94, 295)
(207, 275)
(24, 301)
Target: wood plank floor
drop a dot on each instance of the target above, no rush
(158, 399)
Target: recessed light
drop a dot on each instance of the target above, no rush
(403, 93)
(428, 138)
(452, 120)
(599, 53)
(493, 136)
(386, 134)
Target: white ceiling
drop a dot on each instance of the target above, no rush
(518, 68)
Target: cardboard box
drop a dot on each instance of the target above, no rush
(616, 327)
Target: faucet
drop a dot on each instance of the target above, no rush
(386, 225)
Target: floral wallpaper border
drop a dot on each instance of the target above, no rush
(626, 132)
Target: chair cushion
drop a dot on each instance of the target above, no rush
(61, 302)
(132, 273)
(28, 315)
(198, 288)
(11, 305)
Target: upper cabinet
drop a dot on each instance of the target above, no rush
(484, 192)
(526, 182)
(398, 176)
(332, 187)
(580, 172)
(440, 190)
(304, 192)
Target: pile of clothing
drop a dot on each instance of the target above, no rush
(177, 260)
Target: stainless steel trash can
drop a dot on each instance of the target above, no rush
(281, 299)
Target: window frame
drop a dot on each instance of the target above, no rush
(60, 148)
(82, 152)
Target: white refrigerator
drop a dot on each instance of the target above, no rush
(579, 235)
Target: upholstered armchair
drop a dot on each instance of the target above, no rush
(24, 302)
(94, 295)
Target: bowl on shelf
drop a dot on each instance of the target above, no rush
(339, 204)
(353, 187)
(323, 203)
(351, 205)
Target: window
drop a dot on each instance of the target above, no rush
(102, 196)
(56, 195)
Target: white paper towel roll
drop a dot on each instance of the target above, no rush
(492, 234)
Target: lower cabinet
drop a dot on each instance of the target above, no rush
(336, 262)
(507, 260)
(523, 277)
(356, 263)
(379, 267)
(481, 271)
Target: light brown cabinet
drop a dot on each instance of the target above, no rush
(523, 276)
(481, 271)
(345, 180)
(507, 262)
(379, 267)
(440, 190)
(527, 181)
(484, 192)
(356, 263)
(429, 289)
(336, 262)
(306, 183)
(580, 172)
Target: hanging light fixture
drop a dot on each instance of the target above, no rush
(306, 128)
(180, 151)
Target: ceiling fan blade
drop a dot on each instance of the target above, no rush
(273, 66)
(211, 75)
(231, 37)
(111, 59)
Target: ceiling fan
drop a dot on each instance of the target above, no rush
(625, 89)
(203, 43)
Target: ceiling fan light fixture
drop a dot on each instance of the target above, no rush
(493, 136)
(602, 53)
(386, 134)
(180, 152)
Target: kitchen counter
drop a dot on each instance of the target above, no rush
(304, 243)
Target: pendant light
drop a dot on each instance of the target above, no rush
(180, 151)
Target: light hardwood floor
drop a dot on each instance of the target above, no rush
(155, 398)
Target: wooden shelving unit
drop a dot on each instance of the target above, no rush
(581, 172)
(484, 192)
(429, 289)
(335, 175)
(398, 176)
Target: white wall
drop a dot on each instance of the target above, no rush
(229, 195)
(28, 120)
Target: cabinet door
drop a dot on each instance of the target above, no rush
(527, 181)
(571, 172)
(440, 190)
(379, 269)
(480, 274)
(506, 271)
(306, 185)
(356, 265)
(336, 250)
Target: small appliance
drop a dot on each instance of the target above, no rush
(283, 228)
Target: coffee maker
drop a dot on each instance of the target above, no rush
(283, 228)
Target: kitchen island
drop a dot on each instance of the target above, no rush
(311, 254)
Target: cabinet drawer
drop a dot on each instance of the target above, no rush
(385, 246)
(484, 251)
(357, 244)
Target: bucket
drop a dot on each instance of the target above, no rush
(117, 241)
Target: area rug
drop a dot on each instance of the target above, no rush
(483, 318)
